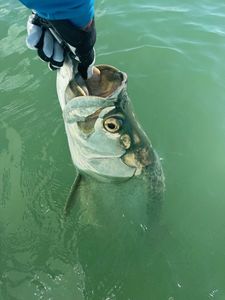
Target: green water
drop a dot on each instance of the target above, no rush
(174, 54)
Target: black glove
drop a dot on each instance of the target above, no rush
(41, 39)
(78, 42)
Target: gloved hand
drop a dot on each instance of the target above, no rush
(41, 39)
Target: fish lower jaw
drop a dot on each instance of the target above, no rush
(104, 177)
(104, 168)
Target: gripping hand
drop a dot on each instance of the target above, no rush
(41, 39)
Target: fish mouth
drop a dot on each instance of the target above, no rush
(111, 82)
(80, 105)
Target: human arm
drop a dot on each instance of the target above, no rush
(79, 40)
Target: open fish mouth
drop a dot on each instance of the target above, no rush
(78, 106)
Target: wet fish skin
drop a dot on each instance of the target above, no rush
(105, 140)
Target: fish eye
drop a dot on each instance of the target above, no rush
(112, 125)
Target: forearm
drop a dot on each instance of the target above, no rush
(79, 40)
(80, 12)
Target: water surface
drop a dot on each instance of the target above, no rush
(174, 55)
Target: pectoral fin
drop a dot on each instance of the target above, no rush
(70, 201)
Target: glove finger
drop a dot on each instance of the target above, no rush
(55, 65)
(58, 56)
(33, 36)
(46, 46)
(85, 67)
(52, 67)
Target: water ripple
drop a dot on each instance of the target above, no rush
(131, 49)
(5, 9)
(18, 77)
(12, 82)
(15, 37)
(206, 27)
(162, 8)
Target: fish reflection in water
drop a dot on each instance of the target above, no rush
(119, 185)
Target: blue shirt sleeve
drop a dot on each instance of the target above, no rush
(80, 12)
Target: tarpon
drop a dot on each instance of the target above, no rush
(105, 140)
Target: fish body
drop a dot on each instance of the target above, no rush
(117, 192)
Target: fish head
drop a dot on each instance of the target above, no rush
(104, 137)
